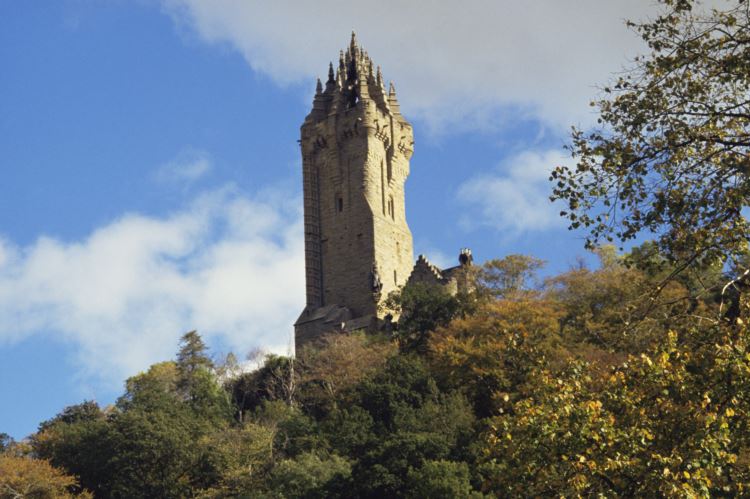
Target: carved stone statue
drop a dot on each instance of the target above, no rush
(375, 282)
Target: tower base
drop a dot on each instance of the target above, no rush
(317, 322)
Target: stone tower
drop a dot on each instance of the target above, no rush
(356, 147)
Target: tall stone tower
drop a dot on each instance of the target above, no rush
(356, 147)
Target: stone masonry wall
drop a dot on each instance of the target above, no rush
(356, 148)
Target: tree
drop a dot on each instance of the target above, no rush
(22, 477)
(670, 156)
(244, 454)
(410, 422)
(309, 475)
(6, 441)
(276, 379)
(422, 308)
(78, 440)
(442, 480)
(337, 364)
(671, 422)
(191, 358)
(489, 354)
(509, 277)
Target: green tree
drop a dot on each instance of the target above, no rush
(409, 421)
(670, 155)
(308, 476)
(78, 440)
(192, 358)
(158, 441)
(244, 454)
(442, 480)
(422, 308)
(276, 379)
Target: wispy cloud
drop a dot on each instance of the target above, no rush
(514, 198)
(456, 64)
(188, 166)
(228, 265)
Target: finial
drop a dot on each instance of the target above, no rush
(380, 76)
(330, 72)
(342, 67)
(391, 90)
(319, 87)
(353, 44)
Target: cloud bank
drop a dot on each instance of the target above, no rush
(458, 65)
(228, 265)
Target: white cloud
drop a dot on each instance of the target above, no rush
(189, 165)
(456, 64)
(515, 198)
(230, 266)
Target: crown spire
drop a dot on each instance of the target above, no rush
(356, 78)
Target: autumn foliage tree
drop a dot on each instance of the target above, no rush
(670, 156)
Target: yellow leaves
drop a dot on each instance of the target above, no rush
(729, 412)
(595, 405)
(27, 477)
(686, 475)
(664, 360)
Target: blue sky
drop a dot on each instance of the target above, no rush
(150, 172)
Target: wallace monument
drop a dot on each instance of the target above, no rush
(356, 148)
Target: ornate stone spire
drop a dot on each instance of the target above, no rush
(356, 79)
